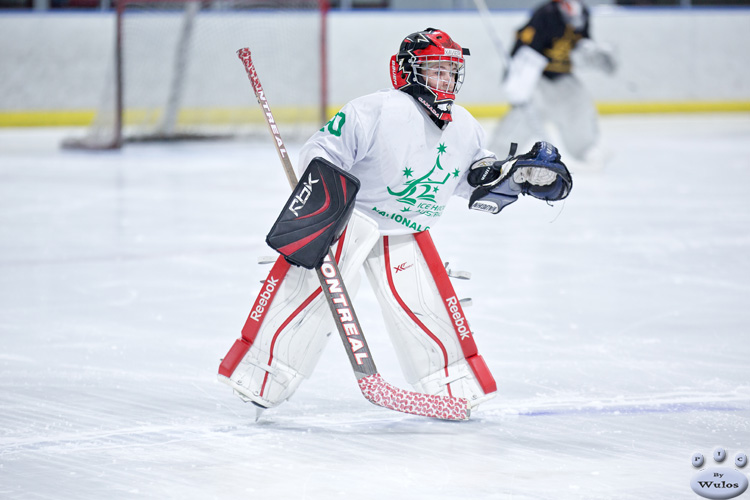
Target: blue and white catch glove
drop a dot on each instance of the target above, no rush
(538, 173)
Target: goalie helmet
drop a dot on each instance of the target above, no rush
(573, 13)
(429, 66)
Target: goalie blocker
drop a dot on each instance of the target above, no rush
(315, 214)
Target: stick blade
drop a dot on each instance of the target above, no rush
(381, 393)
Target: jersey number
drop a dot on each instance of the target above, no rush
(335, 124)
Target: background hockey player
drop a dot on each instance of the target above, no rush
(411, 148)
(541, 89)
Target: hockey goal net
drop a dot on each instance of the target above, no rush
(175, 73)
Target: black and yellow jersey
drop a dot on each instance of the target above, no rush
(549, 34)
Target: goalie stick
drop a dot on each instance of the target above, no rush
(484, 13)
(374, 388)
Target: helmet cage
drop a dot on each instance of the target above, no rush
(442, 75)
(430, 67)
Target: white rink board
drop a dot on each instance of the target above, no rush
(680, 55)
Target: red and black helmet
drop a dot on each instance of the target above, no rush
(429, 66)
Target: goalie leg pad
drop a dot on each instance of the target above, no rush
(424, 319)
(464, 378)
(282, 343)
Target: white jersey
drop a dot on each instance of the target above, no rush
(407, 166)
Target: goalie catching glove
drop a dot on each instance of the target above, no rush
(538, 173)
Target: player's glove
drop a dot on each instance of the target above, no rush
(595, 55)
(538, 173)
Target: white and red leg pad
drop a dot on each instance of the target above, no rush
(290, 322)
(425, 321)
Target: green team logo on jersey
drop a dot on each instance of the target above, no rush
(419, 194)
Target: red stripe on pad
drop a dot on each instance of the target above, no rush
(233, 357)
(304, 304)
(482, 371)
(447, 293)
(255, 318)
(284, 325)
(265, 297)
(455, 312)
(409, 312)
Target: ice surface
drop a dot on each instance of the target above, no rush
(616, 325)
